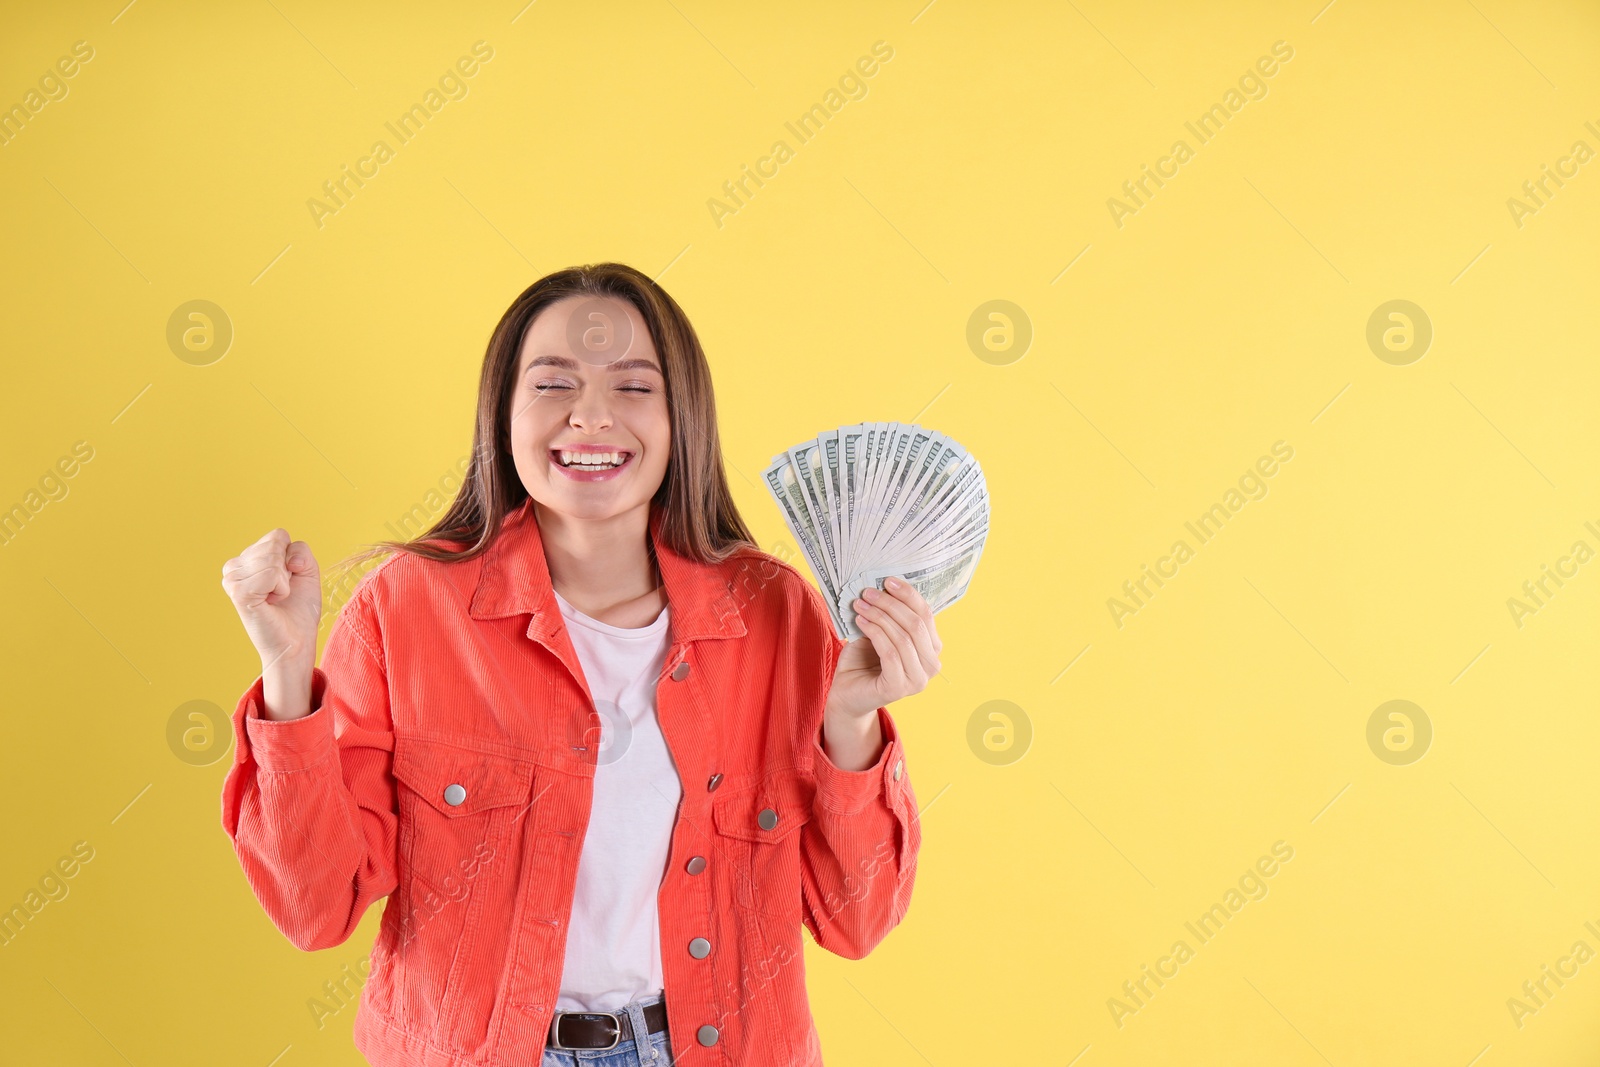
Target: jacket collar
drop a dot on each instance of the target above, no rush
(515, 580)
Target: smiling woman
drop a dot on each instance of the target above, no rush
(604, 778)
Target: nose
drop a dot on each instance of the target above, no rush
(591, 412)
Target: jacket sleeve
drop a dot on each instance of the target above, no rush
(310, 803)
(859, 849)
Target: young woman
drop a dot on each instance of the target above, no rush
(603, 755)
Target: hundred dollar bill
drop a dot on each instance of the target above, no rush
(962, 505)
(904, 455)
(805, 461)
(852, 454)
(785, 489)
(828, 472)
(939, 467)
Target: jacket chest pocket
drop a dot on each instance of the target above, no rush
(458, 809)
(758, 827)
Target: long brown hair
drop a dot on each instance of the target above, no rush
(700, 519)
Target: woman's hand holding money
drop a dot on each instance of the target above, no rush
(896, 656)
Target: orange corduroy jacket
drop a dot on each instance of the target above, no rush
(448, 765)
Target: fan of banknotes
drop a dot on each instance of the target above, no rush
(878, 499)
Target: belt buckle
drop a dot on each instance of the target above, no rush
(555, 1031)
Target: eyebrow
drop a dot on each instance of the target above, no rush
(572, 364)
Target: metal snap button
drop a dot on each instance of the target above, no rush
(695, 865)
(706, 1035)
(454, 795)
(699, 948)
(680, 672)
(716, 780)
(767, 819)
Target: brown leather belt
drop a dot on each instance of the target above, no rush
(601, 1029)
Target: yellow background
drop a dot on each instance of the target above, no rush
(1229, 313)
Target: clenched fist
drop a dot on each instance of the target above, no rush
(277, 590)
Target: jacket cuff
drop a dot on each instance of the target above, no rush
(287, 744)
(848, 792)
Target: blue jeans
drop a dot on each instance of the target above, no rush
(642, 1050)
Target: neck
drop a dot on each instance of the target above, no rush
(603, 567)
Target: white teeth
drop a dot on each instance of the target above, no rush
(591, 460)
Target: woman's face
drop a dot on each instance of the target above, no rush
(590, 387)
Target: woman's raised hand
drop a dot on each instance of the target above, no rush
(277, 590)
(896, 654)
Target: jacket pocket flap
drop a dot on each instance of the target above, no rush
(769, 811)
(461, 781)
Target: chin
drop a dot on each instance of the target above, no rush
(588, 510)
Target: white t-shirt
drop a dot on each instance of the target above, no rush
(613, 952)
